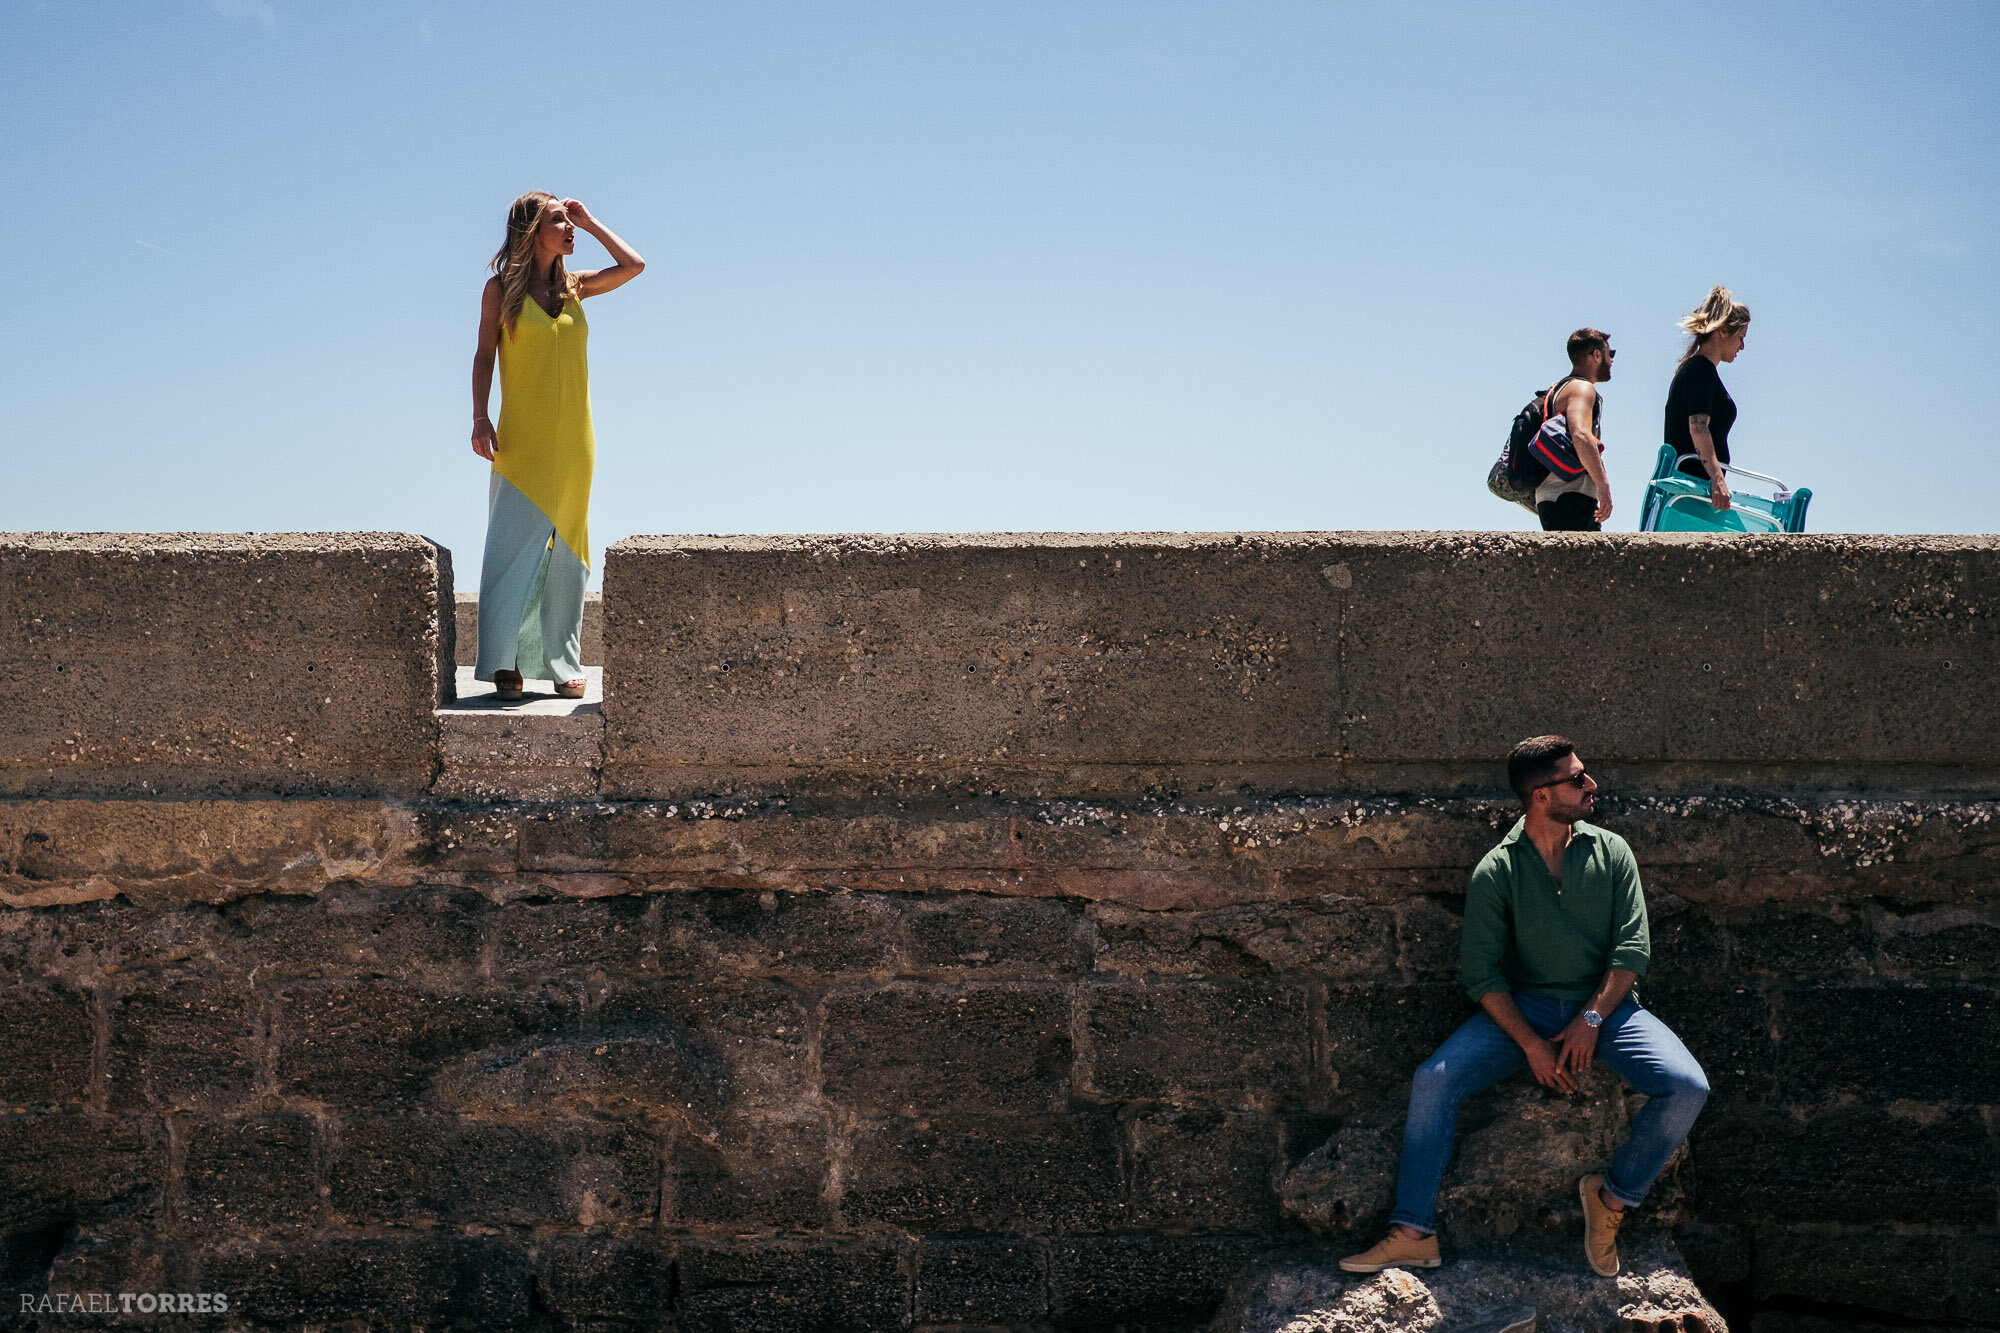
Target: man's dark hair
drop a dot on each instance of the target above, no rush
(1585, 341)
(1534, 759)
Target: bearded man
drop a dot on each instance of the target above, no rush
(1555, 940)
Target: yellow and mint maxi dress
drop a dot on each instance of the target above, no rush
(538, 503)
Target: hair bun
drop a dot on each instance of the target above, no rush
(1720, 311)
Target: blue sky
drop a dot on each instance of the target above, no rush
(947, 266)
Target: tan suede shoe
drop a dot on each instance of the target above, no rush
(1600, 1228)
(1394, 1250)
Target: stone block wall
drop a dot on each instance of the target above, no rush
(652, 1062)
(833, 1044)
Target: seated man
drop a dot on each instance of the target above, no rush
(1555, 936)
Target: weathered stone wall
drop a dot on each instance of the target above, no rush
(819, 1047)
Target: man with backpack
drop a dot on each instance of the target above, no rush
(1580, 501)
(1554, 461)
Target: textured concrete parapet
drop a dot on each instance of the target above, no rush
(222, 664)
(1056, 664)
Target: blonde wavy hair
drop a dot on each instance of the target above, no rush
(514, 262)
(1720, 313)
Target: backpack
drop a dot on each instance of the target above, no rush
(1514, 477)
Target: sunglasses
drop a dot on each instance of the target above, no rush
(1579, 778)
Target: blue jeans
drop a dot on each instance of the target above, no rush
(1638, 1047)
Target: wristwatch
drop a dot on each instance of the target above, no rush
(1592, 1019)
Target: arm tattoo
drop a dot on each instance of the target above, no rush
(1699, 422)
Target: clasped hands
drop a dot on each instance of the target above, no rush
(1555, 1063)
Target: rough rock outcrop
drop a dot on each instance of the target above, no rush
(1509, 1221)
(1521, 1150)
(1487, 1294)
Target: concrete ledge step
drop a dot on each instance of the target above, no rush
(540, 747)
(477, 697)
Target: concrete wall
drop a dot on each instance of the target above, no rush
(1049, 665)
(206, 664)
(1063, 664)
(803, 1025)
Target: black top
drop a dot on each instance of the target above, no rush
(1697, 391)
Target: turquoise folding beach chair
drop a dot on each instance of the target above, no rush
(1676, 502)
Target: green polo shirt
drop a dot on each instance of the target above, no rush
(1526, 934)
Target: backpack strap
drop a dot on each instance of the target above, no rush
(1549, 398)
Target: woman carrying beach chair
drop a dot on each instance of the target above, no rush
(1690, 490)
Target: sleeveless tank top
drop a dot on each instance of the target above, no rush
(1552, 485)
(544, 442)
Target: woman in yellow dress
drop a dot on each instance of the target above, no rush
(538, 500)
